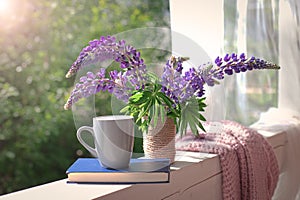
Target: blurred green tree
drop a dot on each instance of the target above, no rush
(39, 40)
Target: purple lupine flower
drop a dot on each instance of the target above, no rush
(87, 86)
(97, 50)
(172, 81)
(107, 48)
(243, 57)
(234, 57)
(205, 72)
(181, 86)
(179, 67)
(218, 61)
(94, 83)
(227, 57)
(240, 63)
(228, 71)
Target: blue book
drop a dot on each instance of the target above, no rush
(89, 170)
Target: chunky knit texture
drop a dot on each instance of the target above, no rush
(249, 166)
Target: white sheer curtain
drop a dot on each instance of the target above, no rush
(250, 27)
(289, 43)
(289, 95)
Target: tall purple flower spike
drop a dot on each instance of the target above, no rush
(181, 86)
(133, 75)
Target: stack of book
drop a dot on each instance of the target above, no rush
(89, 170)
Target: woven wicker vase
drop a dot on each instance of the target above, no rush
(159, 142)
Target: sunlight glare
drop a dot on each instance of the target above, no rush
(11, 14)
(4, 5)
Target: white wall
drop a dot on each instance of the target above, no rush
(202, 22)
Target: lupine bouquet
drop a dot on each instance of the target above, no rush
(178, 93)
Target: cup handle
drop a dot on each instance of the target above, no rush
(88, 147)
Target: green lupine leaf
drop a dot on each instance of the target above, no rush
(165, 98)
(162, 112)
(192, 121)
(191, 116)
(172, 115)
(197, 121)
(201, 126)
(157, 87)
(135, 97)
(182, 126)
(140, 97)
(159, 102)
(169, 103)
(152, 116)
(153, 77)
(125, 109)
(145, 109)
(201, 117)
(201, 104)
(156, 113)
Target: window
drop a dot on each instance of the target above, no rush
(250, 27)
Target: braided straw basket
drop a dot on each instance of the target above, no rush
(159, 142)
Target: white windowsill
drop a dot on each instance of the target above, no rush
(193, 174)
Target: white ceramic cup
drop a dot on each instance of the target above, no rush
(113, 138)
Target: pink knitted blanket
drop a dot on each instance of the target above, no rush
(249, 166)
